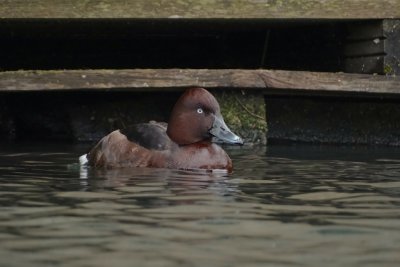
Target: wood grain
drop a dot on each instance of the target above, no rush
(194, 9)
(176, 79)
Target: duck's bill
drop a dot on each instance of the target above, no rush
(222, 134)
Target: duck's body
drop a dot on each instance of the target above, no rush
(185, 143)
(203, 155)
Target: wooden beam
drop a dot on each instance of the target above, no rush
(173, 79)
(194, 9)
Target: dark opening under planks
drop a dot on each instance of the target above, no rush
(173, 79)
(373, 47)
(193, 9)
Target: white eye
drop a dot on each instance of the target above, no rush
(199, 110)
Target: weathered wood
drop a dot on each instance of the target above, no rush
(299, 9)
(173, 79)
(330, 82)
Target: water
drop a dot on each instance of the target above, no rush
(282, 206)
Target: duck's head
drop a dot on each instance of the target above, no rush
(196, 117)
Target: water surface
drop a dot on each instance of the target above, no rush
(282, 206)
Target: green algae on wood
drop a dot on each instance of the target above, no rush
(244, 113)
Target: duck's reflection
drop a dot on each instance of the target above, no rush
(159, 187)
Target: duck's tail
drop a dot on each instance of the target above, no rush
(83, 160)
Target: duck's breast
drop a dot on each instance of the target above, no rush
(200, 156)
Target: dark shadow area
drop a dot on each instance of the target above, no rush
(333, 120)
(305, 45)
(78, 116)
(119, 43)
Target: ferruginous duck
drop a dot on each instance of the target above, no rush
(186, 142)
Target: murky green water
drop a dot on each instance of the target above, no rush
(285, 206)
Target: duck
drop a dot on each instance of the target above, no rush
(190, 140)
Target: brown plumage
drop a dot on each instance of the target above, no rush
(185, 143)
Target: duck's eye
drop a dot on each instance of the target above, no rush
(200, 110)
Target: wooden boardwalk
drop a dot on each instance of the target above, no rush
(272, 49)
(379, 54)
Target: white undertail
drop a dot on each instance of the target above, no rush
(83, 159)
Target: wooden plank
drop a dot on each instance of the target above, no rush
(330, 82)
(175, 79)
(135, 79)
(193, 9)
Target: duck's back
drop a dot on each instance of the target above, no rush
(137, 146)
(152, 135)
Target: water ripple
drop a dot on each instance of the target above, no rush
(284, 206)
